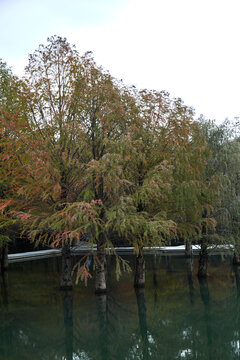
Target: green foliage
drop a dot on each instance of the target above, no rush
(66, 225)
(4, 239)
(5, 226)
(81, 268)
(224, 164)
(122, 265)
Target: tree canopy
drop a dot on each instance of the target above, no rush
(83, 154)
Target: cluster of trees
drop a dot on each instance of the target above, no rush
(81, 153)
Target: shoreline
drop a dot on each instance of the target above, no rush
(84, 248)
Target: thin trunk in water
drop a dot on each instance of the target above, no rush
(139, 280)
(66, 276)
(236, 255)
(188, 248)
(203, 260)
(4, 257)
(100, 280)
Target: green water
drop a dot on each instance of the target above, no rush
(175, 317)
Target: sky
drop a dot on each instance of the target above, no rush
(190, 48)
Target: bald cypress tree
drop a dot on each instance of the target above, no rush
(63, 151)
(224, 165)
(9, 102)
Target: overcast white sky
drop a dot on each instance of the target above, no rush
(190, 48)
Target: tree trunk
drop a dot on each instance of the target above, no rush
(188, 248)
(236, 255)
(4, 258)
(66, 276)
(100, 280)
(203, 260)
(139, 280)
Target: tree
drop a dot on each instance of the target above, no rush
(44, 152)
(62, 153)
(164, 157)
(222, 172)
(224, 162)
(9, 96)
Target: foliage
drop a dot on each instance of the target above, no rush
(224, 163)
(83, 154)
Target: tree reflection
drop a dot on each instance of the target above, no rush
(142, 317)
(169, 265)
(155, 279)
(189, 263)
(237, 277)
(4, 287)
(102, 313)
(236, 319)
(205, 297)
(5, 325)
(67, 302)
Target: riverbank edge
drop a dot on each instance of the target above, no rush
(84, 248)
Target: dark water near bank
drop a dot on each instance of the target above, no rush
(175, 317)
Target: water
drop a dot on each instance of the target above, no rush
(175, 317)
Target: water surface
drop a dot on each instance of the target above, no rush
(175, 317)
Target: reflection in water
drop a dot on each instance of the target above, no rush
(237, 277)
(205, 296)
(237, 311)
(204, 292)
(6, 335)
(4, 287)
(39, 322)
(169, 264)
(67, 301)
(155, 279)
(102, 313)
(142, 318)
(189, 263)
(155, 282)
